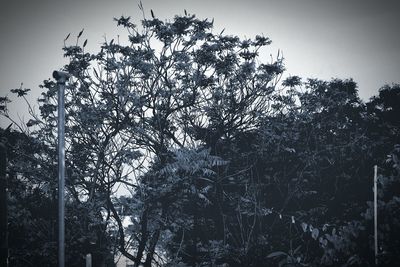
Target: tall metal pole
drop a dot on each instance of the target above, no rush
(376, 213)
(3, 205)
(61, 78)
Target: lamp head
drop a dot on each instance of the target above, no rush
(61, 76)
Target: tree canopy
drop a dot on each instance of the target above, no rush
(222, 161)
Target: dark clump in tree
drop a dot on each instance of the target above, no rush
(32, 212)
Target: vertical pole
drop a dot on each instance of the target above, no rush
(3, 205)
(61, 174)
(89, 260)
(376, 213)
(61, 78)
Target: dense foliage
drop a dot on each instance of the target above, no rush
(223, 163)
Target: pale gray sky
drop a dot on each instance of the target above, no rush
(319, 38)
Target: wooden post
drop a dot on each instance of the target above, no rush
(376, 213)
(3, 205)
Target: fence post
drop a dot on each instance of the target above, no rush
(89, 260)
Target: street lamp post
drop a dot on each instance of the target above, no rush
(61, 78)
(376, 213)
(3, 204)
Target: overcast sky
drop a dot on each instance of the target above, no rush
(356, 39)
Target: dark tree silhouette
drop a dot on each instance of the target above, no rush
(223, 162)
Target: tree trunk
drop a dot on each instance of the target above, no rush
(143, 239)
(120, 231)
(153, 243)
